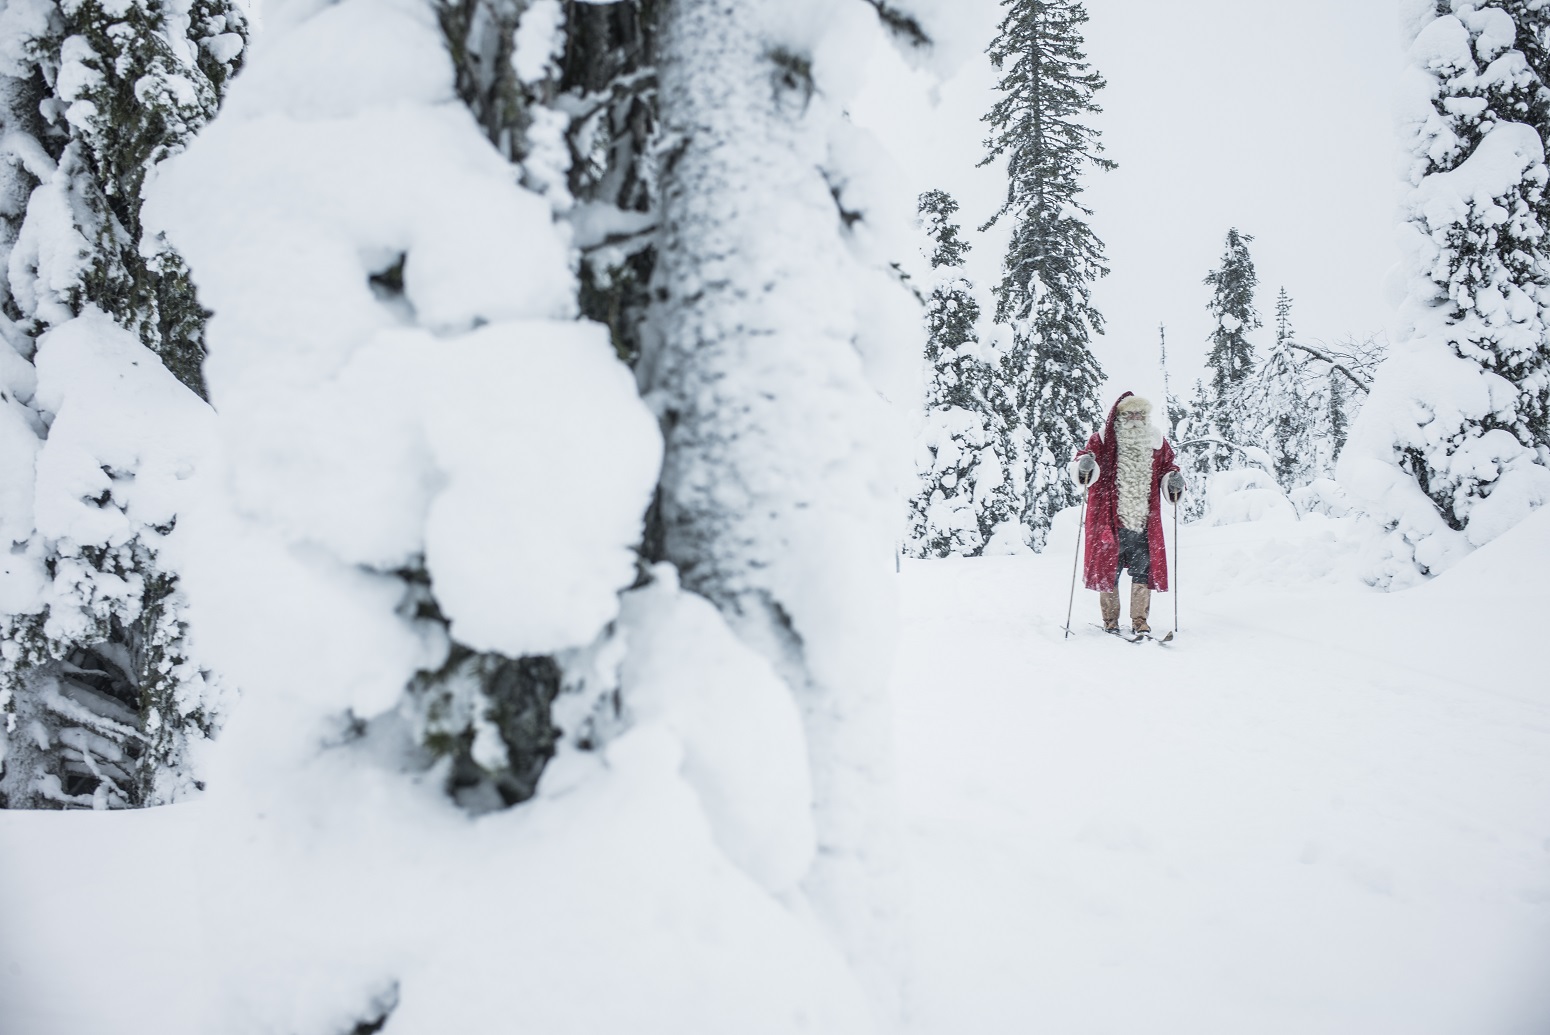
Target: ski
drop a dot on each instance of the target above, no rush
(1163, 640)
(1117, 634)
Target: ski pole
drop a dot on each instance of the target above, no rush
(1176, 553)
(1081, 522)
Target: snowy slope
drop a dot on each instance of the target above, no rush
(1324, 810)
(1312, 815)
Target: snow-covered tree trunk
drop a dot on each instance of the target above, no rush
(775, 345)
(99, 690)
(1451, 446)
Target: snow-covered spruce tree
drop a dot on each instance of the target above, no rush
(98, 690)
(1281, 414)
(1047, 391)
(781, 333)
(1197, 443)
(963, 495)
(1451, 446)
(433, 479)
(1231, 359)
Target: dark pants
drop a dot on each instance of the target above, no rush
(1136, 555)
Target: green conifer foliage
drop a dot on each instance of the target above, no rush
(112, 89)
(1532, 21)
(1047, 389)
(99, 694)
(609, 88)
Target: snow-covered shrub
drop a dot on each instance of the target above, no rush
(100, 691)
(1321, 496)
(1245, 494)
(1451, 446)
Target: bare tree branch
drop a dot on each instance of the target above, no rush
(1363, 383)
(901, 24)
(1253, 454)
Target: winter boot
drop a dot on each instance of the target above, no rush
(1140, 605)
(1108, 603)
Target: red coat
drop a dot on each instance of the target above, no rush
(1102, 566)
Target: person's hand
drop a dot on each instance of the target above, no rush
(1173, 486)
(1086, 470)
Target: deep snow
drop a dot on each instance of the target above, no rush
(1324, 811)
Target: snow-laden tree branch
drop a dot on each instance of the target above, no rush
(1253, 454)
(1363, 383)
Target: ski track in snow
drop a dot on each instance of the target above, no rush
(1322, 811)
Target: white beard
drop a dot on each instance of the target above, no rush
(1134, 471)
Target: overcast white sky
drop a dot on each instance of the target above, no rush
(1275, 118)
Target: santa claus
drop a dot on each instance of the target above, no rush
(1127, 469)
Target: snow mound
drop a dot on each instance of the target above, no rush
(744, 750)
(1008, 540)
(1246, 495)
(1321, 496)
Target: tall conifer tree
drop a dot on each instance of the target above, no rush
(1232, 307)
(1047, 391)
(1231, 359)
